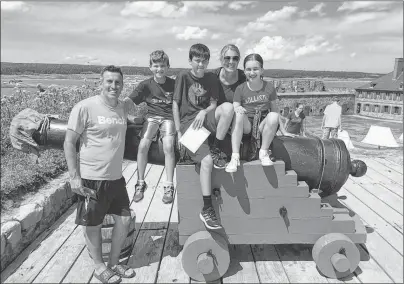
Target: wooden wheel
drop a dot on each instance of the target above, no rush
(205, 256)
(336, 255)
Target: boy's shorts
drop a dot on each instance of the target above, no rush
(211, 125)
(154, 124)
(112, 198)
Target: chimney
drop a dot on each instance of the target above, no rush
(398, 68)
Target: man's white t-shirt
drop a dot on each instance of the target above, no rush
(102, 140)
(332, 115)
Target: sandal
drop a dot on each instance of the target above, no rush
(121, 269)
(106, 275)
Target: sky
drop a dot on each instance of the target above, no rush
(363, 36)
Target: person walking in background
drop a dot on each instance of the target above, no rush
(100, 123)
(157, 92)
(332, 119)
(295, 121)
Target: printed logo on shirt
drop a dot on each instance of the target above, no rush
(196, 95)
(108, 120)
(256, 99)
(167, 100)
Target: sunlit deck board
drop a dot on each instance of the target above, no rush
(82, 270)
(156, 255)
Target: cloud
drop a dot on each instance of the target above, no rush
(269, 20)
(361, 17)
(14, 6)
(366, 5)
(189, 32)
(216, 35)
(238, 5)
(333, 47)
(318, 9)
(272, 48)
(149, 9)
(283, 14)
(238, 41)
(204, 5)
(315, 44)
(353, 54)
(256, 26)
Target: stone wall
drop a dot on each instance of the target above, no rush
(22, 225)
(286, 86)
(315, 103)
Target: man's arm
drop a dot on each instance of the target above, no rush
(130, 105)
(69, 146)
(72, 165)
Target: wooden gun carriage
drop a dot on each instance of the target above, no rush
(292, 202)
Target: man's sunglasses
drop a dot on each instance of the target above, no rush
(235, 58)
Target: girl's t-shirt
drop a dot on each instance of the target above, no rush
(295, 122)
(253, 100)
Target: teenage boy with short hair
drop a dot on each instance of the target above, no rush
(195, 105)
(157, 93)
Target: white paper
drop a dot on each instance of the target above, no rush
(193, 139)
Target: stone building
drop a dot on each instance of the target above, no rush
(315, 102)
(382, 97)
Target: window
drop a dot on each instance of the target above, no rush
(401, 85)
(397, 110)
(372, 85)
(367, 107)
(376, 108)
(387, 97)
(386, 109)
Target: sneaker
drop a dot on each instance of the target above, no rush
(168, 194)
(208, 217)
(232, 166)
(139, 191)
(265, 158)
(219, 158)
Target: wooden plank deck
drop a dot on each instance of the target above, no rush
(59, 254)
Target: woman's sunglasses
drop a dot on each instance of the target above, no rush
(235, 58)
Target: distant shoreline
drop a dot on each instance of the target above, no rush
(19, 69)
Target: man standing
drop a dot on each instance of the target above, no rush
(100, 123)
(332, 119)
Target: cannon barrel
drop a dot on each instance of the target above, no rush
(322, 163)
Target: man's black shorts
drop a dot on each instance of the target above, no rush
(112, 198)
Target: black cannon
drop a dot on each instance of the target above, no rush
(322, 164)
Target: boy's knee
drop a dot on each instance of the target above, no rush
(226, 109)
(207, 163)
(144, 145)
(168, 144)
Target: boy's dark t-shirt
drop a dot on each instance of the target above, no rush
(295, 123)
(158, 97)
(226, 92)
(252, 100)
(193, 94)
